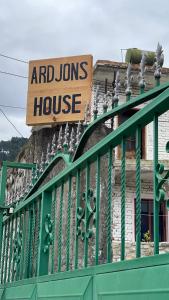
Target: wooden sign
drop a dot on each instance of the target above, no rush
(59, 89)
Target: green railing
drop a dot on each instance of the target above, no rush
(66, 223)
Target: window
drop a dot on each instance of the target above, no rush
(131, 141)
(147, 220)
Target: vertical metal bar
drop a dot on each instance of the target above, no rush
(34, 237)
(109, 202)
(60, 229)
(1, 257)
(14, 258)
(3, 183)
(2, 202)
(138, 190)
(86, 215)
(77, 205)
(128, 97)
(32, 241)
(44, 236)
(68, 225)
(35, 244)
(123, 196)
(29, 261)
(97, 208)
(27, 254)
(156, 203)
(3, 252)
(11, 249)
(24, 228)
(141, 89)
(7, 250)
(37, 230)
(157, 81)
(38, 212)
(54, 226)
(19, 254)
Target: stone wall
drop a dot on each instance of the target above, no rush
(147, 249)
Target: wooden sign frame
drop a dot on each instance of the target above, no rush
(59, 89)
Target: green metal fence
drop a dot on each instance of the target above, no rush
(66, 223)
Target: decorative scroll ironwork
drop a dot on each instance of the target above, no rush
(49, 233)
(17, 248)
(162, 177)
(85, 214)
(160, 191)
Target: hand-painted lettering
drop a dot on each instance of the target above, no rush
(74, 71)
(50, 73)
(47, 105)
(74, 103)
(63, 72)
(57, 105)
(34, 76)
(66, 72)
(65, 101)
(42, 74)
(38, 106)
(82, 64)
(59, 78)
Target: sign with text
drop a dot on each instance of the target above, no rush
(59, 89)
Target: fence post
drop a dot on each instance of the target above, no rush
(2, 199)
(45, 234)
(156, 203)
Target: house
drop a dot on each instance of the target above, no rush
(112, 85)
(104, 81)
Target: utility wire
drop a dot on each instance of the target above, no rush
(10, 106)
(12, 74)
(13, 58)
(11, 122)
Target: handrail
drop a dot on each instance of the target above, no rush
(64, 156)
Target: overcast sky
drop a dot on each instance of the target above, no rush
(35, 29)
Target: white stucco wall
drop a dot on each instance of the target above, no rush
(163, 129)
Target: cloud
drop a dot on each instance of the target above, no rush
(49, 28)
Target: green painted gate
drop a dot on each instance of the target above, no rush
(56, 236)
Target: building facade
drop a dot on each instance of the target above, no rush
(105, 73)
